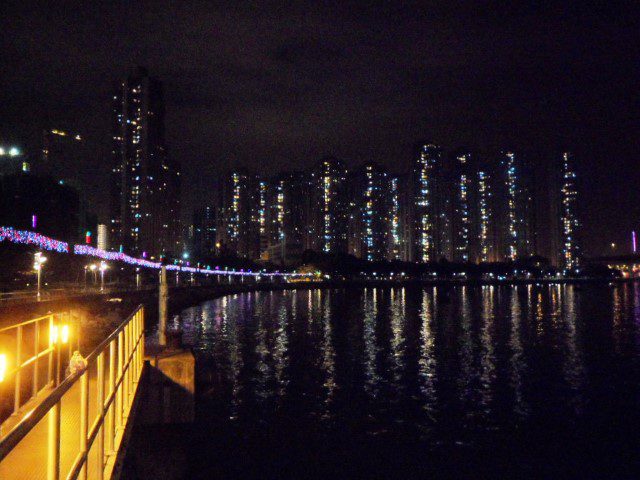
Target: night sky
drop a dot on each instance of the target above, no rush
(278, 85)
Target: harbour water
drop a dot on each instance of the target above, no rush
(406, 382)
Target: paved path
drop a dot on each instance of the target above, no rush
(28, 460)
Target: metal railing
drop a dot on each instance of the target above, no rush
(33, 344)
(112, 374)
(66, 292)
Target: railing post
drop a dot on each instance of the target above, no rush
(50, 356)
(36, 344)
(141, 347)
(84, 422)
(129, 359)
(119, 396)
(132, 367)
(163, 299)
(125, 373)
(134, 360)
(111, 420)
(100, 365)
(53, 446)
(17, 392)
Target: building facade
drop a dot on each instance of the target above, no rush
(329, 209)
(570, 248)
(430, 207)
(238, 230)
(145, 195)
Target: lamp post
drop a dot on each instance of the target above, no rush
(103, 267)
(93, 267)
(38, 261)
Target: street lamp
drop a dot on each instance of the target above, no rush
(38, 261)
(103, 267)
(93, 267)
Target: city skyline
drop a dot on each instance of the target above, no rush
(460, 206)
(533, 105)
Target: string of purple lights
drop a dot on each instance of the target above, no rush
(25, 237)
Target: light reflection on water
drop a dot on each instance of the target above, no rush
(448, 363)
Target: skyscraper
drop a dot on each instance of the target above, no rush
(371, 212)
(394, 251)
(473, 218)
(145, 182)
(296, 207)
(64, 156)
(484, 214)
(238, 229)
(515, 211)
(284, 203)
(570, 253)
(329, 217)
(430, 204)
(463, 177)
(203, 231)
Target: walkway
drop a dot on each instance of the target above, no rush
(28, 460)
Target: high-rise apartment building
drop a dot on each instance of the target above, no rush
(430, 206)
(203, 232)
(473, 219)
(145, 205)
(64, 157)
(484, 232)
(329, 214)
(238, 229)
(514, 208)
(283, 212)
(395, 237)
(463, 235)
(370, 223)
(570, 249)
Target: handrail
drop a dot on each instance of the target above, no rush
(22, 324)
(29, 359)
(96, 351)
(126, 343)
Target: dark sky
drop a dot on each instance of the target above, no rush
(277, 85)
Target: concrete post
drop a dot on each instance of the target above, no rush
(163, 307)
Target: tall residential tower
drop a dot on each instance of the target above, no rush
(145, 182)
(570, 250)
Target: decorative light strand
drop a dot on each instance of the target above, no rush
(24, 237)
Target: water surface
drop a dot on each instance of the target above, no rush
(466, 382)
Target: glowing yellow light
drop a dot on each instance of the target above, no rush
(53, 335)
(64, 334)
(3, 366)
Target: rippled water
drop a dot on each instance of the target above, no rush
(469, 381)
